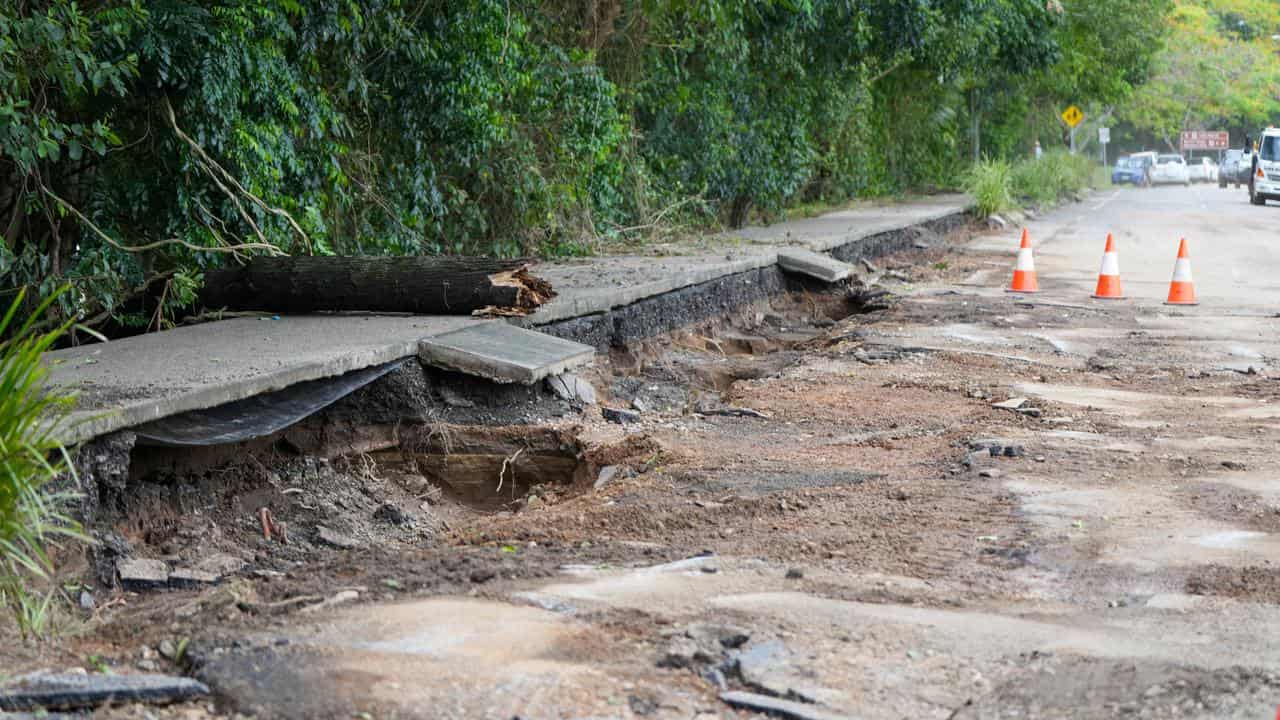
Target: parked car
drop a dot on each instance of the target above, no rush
(1128, 170)
(1141, 164)
(1170, 169)
(1236, 165)
(1264, 185)
(1203, 170)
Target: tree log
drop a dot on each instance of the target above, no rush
(419, 285)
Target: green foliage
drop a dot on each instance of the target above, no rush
(1053, 177)
(30, 458)
(1217, 71)
(990, 182)
(143, 143)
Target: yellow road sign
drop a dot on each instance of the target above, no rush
(1073, 116)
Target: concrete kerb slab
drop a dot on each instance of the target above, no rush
(145, 378)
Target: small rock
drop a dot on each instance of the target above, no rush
(141, 573)
(1233, 465)
(901, 496)
(569, 386)
(1030, 412)
(1040, 458)
(167, 649)
(390, 513)
(86, 601)
(607, 475)
(995, 222)
(1010, 404)
(147, 665)
(795, 574)
(709, 569)
(334, 538)
(989, 473)
(639, 405)
(620, 416)
(483, 575)
(1013, 451)
(681, 652)
(870, 266)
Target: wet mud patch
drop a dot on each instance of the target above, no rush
(1252, 583)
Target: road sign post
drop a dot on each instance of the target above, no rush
(1104, 138)
(1072, 116)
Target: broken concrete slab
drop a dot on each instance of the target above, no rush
(504, 353)
(142, 573)
(69, 691)
(778, 707)
(815, 265)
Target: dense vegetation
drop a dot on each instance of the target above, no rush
(141, 143)
(1217, 71)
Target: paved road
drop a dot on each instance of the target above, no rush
(1235, 246)
(878, 560)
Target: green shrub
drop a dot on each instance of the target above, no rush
(990, 182)
(1051, 178)
(30, 459)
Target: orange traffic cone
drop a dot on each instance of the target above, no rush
(1182, 291)
(1109, 275)
(1024, 273)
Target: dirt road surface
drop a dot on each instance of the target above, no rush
(878, 539)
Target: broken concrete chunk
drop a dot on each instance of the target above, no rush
(568, 386)
(607, 475)
(620, 416)
(53, 691)
(1010, 404)
(815, 265)
(142, 573)
(503, 353)
(188, 578)
(334, 538)
(777, 707)
(995, 222)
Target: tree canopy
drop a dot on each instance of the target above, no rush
(143, 143)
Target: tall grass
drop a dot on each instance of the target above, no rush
(1053, 177)
(990, 183)
(997, 185)
(31, 458)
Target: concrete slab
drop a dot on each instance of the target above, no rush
(504, 353)
(139, 379)
(815, 265)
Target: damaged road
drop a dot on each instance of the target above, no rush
(949, 502)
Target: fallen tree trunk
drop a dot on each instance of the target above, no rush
(419, 285)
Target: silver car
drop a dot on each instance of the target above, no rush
(1170, 169)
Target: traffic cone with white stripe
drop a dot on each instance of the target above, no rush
(1024, 273)
(1182, 290)
(1109, 276)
